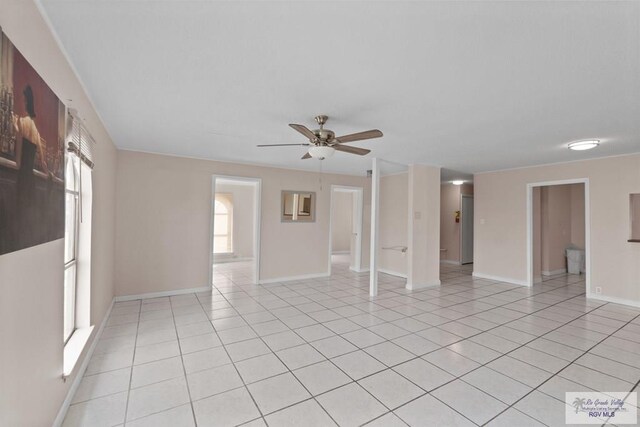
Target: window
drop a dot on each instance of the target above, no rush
(223, 224)
(72, 201)
(77, 243)
(77, 246)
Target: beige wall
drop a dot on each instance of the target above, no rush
(536, 206)
(243, 199)
(163, 221)
(635, 216)
(31, 280)
(341, 221)
(393, 223)
(556, 227)
(501, 225)
(423, 264)
(577, 215)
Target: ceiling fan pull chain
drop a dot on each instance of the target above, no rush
(320, 176)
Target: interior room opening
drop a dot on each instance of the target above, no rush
(456, 229)
(345, 252)
(234, 230)
(559, 242)
(393, 222)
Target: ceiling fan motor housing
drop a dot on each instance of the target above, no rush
(324, 136)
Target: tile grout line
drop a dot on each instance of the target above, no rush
(565, 367)
(184, 369)
(223, 345)
(462, 339)
(284, 364)
(321, 287)
(133, 358)
(390, 367)
(459, 377)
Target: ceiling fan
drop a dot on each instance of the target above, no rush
(324, 143)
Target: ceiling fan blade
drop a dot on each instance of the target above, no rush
(306, 156)
(305, 131)
(352, 150)
(280, 145)
(369, 134)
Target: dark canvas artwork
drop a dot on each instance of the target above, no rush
(32, 128)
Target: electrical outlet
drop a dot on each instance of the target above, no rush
(598, 290)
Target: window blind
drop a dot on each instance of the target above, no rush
(79, 140)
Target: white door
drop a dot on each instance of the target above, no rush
(467, 230)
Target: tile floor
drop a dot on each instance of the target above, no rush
(322, 352)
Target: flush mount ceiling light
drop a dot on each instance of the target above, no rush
(321, 152)
(584, 145)
(457, 182)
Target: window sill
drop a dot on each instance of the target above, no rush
(633, 240)
(73, 349)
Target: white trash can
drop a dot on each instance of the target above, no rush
(575, 260)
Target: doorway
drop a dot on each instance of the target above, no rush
(558, 233)
(235, 230)
(345, 229)
(466, 229)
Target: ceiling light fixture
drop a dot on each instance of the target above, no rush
(321, 152)
(458, 182)
(584, 145)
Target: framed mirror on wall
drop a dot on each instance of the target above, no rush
(298, 206)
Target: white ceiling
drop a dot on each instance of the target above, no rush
(470, 86)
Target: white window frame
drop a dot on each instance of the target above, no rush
(73, 262)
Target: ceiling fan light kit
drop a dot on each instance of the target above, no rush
(321, 152)
(324, 143)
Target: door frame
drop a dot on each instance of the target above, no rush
(256, 221)
(357, 212)
(462, 196)
(587, 227)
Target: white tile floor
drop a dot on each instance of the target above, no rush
(322, 352)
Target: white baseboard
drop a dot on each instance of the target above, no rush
(418, 286)
(554, 272)
(500, 279)
(613, 300)
(162, 294)
(392, 273)
(232, 259)
(362, 270)
(293, 278)
(340, 252)
(449, 261)
(62, 413)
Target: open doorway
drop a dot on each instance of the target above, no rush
(456, 230)
(235, 225)
(345, 239)
(558, 233)
(389, 226)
